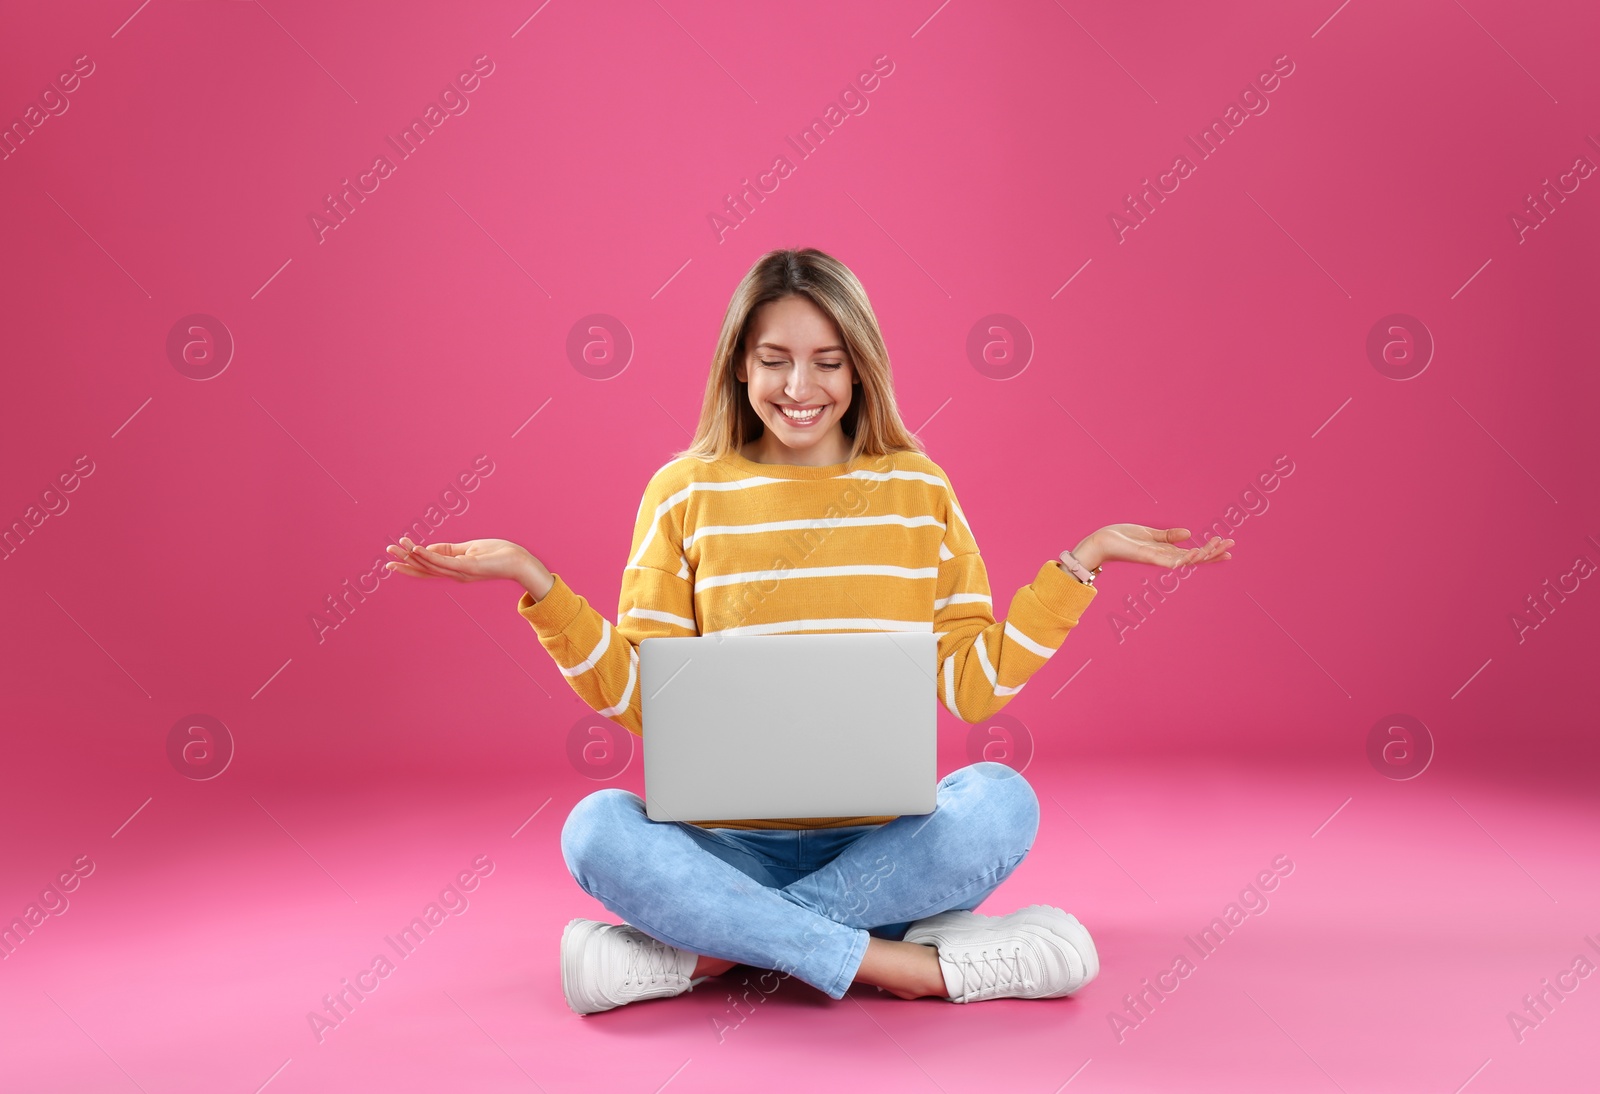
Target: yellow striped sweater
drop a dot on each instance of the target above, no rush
(876, 544)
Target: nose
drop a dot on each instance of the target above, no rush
(799, 384)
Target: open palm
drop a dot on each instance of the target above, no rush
(474, 560)
(1155, 546)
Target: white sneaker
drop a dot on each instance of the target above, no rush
(1039, 952)
(605, 965)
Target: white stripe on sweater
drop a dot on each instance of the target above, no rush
(761, 480)
(796, 626)
(1026, 642)
(950, 686)
(595, 654)
(662, 617)
(914, 573)
(988, 669)
(627, 692)
(819, 523)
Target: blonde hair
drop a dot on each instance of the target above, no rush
(728, 421)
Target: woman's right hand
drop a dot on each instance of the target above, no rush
(473, 560)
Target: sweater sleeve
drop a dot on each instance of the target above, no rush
(984, 662)
(599, 660)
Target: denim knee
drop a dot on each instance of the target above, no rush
(1009, 798)
(591, 826)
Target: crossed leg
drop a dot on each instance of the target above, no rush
(658, 877)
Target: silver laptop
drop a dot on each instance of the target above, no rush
(748, 727)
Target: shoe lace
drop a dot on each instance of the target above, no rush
(647, 959)
(990, 970)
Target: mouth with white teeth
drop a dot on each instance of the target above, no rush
(803, 419)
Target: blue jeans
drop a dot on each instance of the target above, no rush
(801, 901)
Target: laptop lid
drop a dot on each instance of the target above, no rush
(755, 727)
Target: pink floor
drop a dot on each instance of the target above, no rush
(1416, 917)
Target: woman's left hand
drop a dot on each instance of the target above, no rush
(1156, 546)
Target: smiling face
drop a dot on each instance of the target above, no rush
(795, 360)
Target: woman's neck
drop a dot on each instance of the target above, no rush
(816, 456)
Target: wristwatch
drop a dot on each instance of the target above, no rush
(1070, 563)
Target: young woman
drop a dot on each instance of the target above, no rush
(804, 504)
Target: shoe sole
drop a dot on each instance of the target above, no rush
(571, 962)
(1067, 924)
(1048, 918)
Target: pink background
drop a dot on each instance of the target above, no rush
(1168, 371)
